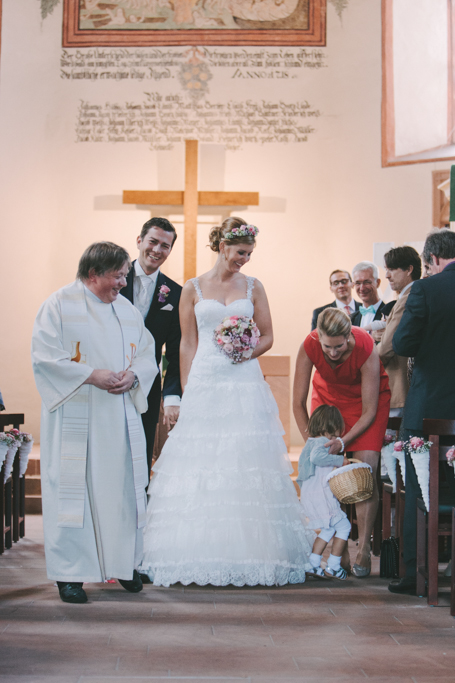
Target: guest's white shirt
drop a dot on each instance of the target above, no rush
(143, 290)
(369, 317)
(342, 305)
(405, 289)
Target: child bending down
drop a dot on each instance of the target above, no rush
(319, 504)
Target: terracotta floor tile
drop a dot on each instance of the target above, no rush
(316, 632)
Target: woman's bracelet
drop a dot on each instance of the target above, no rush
(342, 443)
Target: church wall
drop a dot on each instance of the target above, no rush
(324, 202)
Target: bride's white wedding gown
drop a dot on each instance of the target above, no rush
(222, 507)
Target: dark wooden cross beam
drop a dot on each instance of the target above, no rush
(190, 198)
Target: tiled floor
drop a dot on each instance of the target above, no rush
(321, 632)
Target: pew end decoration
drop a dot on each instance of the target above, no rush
(419, 451)
(391, 452)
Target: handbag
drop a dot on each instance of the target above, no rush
(388, 566)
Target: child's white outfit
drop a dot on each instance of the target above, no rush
(319, 504)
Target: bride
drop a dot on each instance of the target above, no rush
(222, 507)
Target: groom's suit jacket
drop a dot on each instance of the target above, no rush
(162, 321)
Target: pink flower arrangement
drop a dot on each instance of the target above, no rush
(388, 439)
(237, 337)
(26, 437)
(16, 434)
(7, 438)
(450, 455)
(163, 293)
(416, 444)
(242, 231)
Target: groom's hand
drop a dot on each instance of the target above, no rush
(171, 415)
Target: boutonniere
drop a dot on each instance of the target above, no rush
(163, 293)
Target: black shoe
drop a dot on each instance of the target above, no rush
(133, 586)
(145, 578)
(405, 586)
(71, 592)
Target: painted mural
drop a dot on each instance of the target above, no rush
(202, 22)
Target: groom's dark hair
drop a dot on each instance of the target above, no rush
(158, 222)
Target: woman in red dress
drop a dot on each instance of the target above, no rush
(350, 376)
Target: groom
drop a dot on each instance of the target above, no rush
(157, 298)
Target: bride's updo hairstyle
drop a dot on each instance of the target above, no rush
(333, 322)
(226, 232)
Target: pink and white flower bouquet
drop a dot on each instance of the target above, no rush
(237, 337)
(450, 455)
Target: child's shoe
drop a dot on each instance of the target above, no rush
(340, 574)
(317, 572)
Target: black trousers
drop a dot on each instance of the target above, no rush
(149, 430)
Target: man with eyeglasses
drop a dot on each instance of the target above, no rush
(341, 285)
(366, 284)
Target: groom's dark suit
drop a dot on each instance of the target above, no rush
(426, 332)
(164, 326)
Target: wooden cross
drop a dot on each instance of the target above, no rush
(191, 199)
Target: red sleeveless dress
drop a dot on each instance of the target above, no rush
(341, 387)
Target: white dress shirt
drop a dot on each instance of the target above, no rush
(143, 290)
(369, 317)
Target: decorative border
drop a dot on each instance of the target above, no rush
(388, 155)
(315, 35)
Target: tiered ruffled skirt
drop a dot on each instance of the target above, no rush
(222, 507)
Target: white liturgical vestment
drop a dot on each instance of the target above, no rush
(93, 454)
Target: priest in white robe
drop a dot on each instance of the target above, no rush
(94, 365)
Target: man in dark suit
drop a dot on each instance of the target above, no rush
(366, 283)
(341, 285)
(426, 332)
(157, 297)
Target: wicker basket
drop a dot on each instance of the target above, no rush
(351, 485)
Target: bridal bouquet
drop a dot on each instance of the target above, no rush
(237, 337)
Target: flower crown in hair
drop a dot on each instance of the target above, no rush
(242, 231)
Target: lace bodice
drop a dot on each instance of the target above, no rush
(210, 313)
